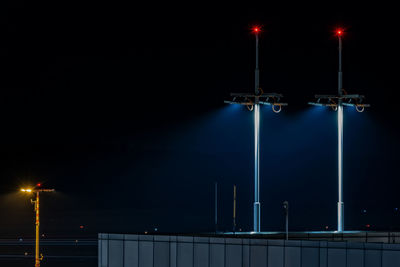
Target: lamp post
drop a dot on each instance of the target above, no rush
(253, 102)
(286, 209)
(37, 191)
(336, 102)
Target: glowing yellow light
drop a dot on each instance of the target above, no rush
(26, 190)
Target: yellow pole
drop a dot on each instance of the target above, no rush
(37, 259)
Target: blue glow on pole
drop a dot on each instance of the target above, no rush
(340, 169)
(340, 209)
(256, 168)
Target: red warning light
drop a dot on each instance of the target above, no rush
(339, 32)
(256, 29)
(39, 185)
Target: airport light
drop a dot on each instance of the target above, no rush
(253, 102)
(336, 102)
(37, 190)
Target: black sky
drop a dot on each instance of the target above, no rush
(102, 102)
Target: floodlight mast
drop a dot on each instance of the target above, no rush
(336, 102)
(253, 102)
(340, 204)
(257, 210)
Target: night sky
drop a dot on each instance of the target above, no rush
(120, 109)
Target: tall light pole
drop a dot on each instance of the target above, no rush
(36, 191)
(336, 102)
(253, 102)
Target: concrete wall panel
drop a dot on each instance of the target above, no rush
(258, 256)
(116, 252)
(234, 255)
(131, 253)
(103, 244)
(217, 255)
(292, 257)
(146, 253)
(201, 257)
(185, 254)
(161, 254)
(373, 258)
(390, 258)
(275, 256)
(355, 257)
(310, 256)
(336, 257)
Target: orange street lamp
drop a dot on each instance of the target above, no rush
(36, 191)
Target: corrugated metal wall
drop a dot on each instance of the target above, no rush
(117, 250)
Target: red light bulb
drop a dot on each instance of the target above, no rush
(256, 29)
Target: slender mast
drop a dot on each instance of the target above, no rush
(257, 146)
(340, 141)
(37, 259)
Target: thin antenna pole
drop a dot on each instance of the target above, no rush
(216, 207)
(234, 208)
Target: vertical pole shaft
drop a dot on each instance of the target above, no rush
(256, 148)
(37, 259)
(340, 144)
(234, 208)
(216, 207)
(256, 169)
(257, 71)
(286, 209)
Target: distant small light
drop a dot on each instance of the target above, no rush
(39, 184)
(368, 225)
(256, 29)
(326, 227)
(81, 226)
(339, 32)
(364, 211)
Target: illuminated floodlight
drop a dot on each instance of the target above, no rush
(28, 190)
(336, 102)
(333, 101)
(253, 102)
